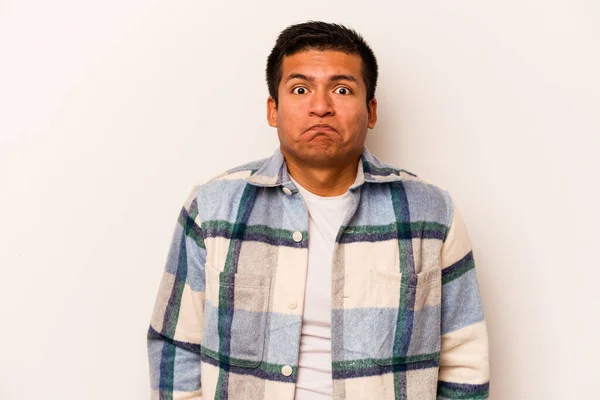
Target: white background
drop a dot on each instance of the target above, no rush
(111, 111)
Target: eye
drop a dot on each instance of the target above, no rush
(344, 91)
(299, 90)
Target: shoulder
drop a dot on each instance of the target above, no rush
(223, 191)
(233, 176)
(427, 201)
(241, 171)
(424, 200)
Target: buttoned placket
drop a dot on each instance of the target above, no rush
(295, 301)
(337, 285)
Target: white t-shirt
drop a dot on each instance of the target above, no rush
(314, 364)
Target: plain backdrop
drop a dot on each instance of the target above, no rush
(110, 111)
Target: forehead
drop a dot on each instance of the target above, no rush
(322, 63)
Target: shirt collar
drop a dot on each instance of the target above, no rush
(273, 172)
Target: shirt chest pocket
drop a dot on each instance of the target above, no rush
(407, 316)
(235, 317)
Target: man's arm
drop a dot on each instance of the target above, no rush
(464, 366)
(175, 331)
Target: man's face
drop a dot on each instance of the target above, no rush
(323, 88)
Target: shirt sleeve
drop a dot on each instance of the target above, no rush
(176, 327)
(464, 365)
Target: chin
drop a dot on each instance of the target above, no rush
(321, 156)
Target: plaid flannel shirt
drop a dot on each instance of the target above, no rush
(407, 319)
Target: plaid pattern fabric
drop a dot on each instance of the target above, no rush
(407, 319)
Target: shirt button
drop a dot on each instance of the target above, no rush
(287, 191)
(292, 304)
(297, 236)
(286, 370)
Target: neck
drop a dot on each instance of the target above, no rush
(324, 181)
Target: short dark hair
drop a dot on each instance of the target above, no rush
(318, 35)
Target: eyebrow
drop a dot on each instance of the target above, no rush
(332, 78)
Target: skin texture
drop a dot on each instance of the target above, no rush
(322, 87)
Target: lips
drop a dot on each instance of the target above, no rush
(322, 127)
(322, 131)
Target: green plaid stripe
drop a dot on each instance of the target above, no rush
(463, 391)
(458, 269)
(407, 292)
(276, 236)
(190, 228)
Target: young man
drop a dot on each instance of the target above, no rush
(320, 272)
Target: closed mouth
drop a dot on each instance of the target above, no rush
(322, 127)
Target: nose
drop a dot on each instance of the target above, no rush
(320, 104)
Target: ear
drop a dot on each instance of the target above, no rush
(372, 113)
(272, 112)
